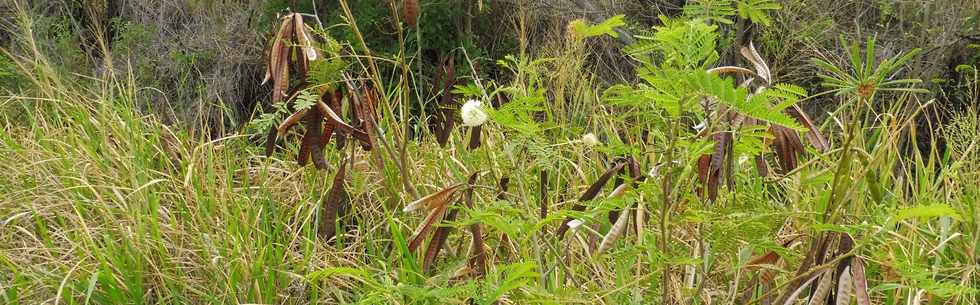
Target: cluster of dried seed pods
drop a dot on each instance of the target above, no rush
(323, 122)
(787, 144)
(438, 205)
(837, 277)
(292, 49)
(292, 38)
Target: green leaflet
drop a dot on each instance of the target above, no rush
(926, 211)
(608, 27)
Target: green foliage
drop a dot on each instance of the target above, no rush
(328, 70)
(680, 82)
(509, 278)
(305, 99)
(720, 11)
(607, 27)
(685, 44)
(527, 98)
(130, 37)
(864, 77)
(10, 76)
(932, 210)
(757, 10)
(723, 11)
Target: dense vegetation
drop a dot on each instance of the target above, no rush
(489, 152)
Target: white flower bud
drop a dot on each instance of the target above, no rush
(574, 224)
(590, 139)
(473, 113)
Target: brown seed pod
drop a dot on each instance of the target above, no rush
(293, 119)
(591, 193)
(311, 138)
(437, 241)
(823, 288)
(475, 137)
(411, 11)
(860, 282)
(617, 229)
(437, 204)
(543, 201)
(478, 255)
(331, 205)
(845, 287)
(270, 141)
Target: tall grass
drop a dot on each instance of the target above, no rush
(100, 204)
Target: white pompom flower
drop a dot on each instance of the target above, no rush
(574, 224)
(590, 139)
(473, 113)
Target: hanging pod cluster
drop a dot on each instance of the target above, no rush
(438, 206)
(786, 143)
(290, 55)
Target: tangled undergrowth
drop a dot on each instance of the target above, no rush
(692, 185)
